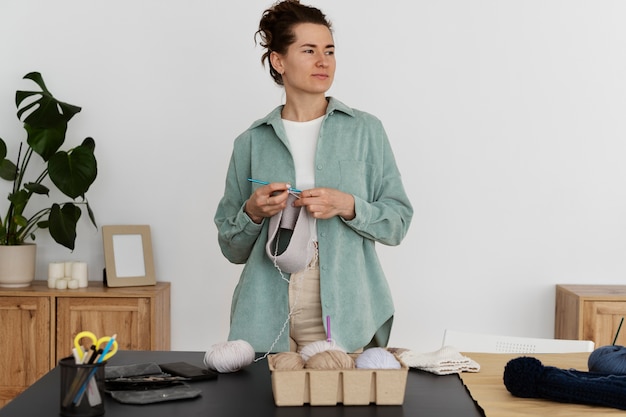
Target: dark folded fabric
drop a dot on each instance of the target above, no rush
(188, 371)
(181, 392)
(527, 377)
(137, 369)
(140, 376)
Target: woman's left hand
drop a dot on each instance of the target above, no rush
(324, 203)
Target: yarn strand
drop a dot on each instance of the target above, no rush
(292, 310)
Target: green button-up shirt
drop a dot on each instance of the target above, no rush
(354, 156)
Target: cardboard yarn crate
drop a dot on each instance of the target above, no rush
(331, 387)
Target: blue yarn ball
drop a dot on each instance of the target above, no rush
(608, 360)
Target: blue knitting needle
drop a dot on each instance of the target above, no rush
(293, 190)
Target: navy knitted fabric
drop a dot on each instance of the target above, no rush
(527, 377)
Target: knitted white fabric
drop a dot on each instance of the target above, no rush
(444, 361)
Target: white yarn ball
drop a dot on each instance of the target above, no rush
(229, 356)
(320, 346)
(377, 358)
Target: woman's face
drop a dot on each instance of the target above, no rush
(308, 67)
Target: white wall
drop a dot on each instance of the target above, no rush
(508, 119)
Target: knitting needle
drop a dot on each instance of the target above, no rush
(328, 328)
(291, 189)
(618, 329)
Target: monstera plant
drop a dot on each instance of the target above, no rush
(72, 171)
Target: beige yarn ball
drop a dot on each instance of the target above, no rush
(290, 361)
(330, 359)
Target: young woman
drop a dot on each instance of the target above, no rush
(328, 172)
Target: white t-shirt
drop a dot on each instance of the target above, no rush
(303, 142)
(302, 138)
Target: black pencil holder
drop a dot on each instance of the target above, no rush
(82, 388)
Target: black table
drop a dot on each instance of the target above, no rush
(249, 393)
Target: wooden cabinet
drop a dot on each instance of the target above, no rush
(24, 343)
(38, 325)
(590, 312)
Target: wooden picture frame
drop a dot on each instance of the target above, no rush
(128, 256)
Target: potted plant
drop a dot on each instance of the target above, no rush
(72, 172)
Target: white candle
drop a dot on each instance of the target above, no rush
(56, 270)
(79, 273)
(72, 284)
(61, 284)
(52, 282)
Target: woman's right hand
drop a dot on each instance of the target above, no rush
(266, 201)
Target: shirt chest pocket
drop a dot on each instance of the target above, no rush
(356, 177)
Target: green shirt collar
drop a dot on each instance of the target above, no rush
(274, 115)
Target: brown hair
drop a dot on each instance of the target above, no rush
(276, 28)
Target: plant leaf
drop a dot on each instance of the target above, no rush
(20, 220)
(19, 200)
(45, 118)
(37, 78)
(73, 172)
(37, 188)
(89, 143)
(46, 110)
(62, 222)
(3, 149)
(91, 215)
(46, 140)
(8, 170)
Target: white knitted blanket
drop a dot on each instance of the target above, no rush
(444, 361)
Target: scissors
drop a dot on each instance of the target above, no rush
(96, 344)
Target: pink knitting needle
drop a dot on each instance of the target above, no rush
(328, 328)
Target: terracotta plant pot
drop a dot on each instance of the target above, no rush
(17, 265)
